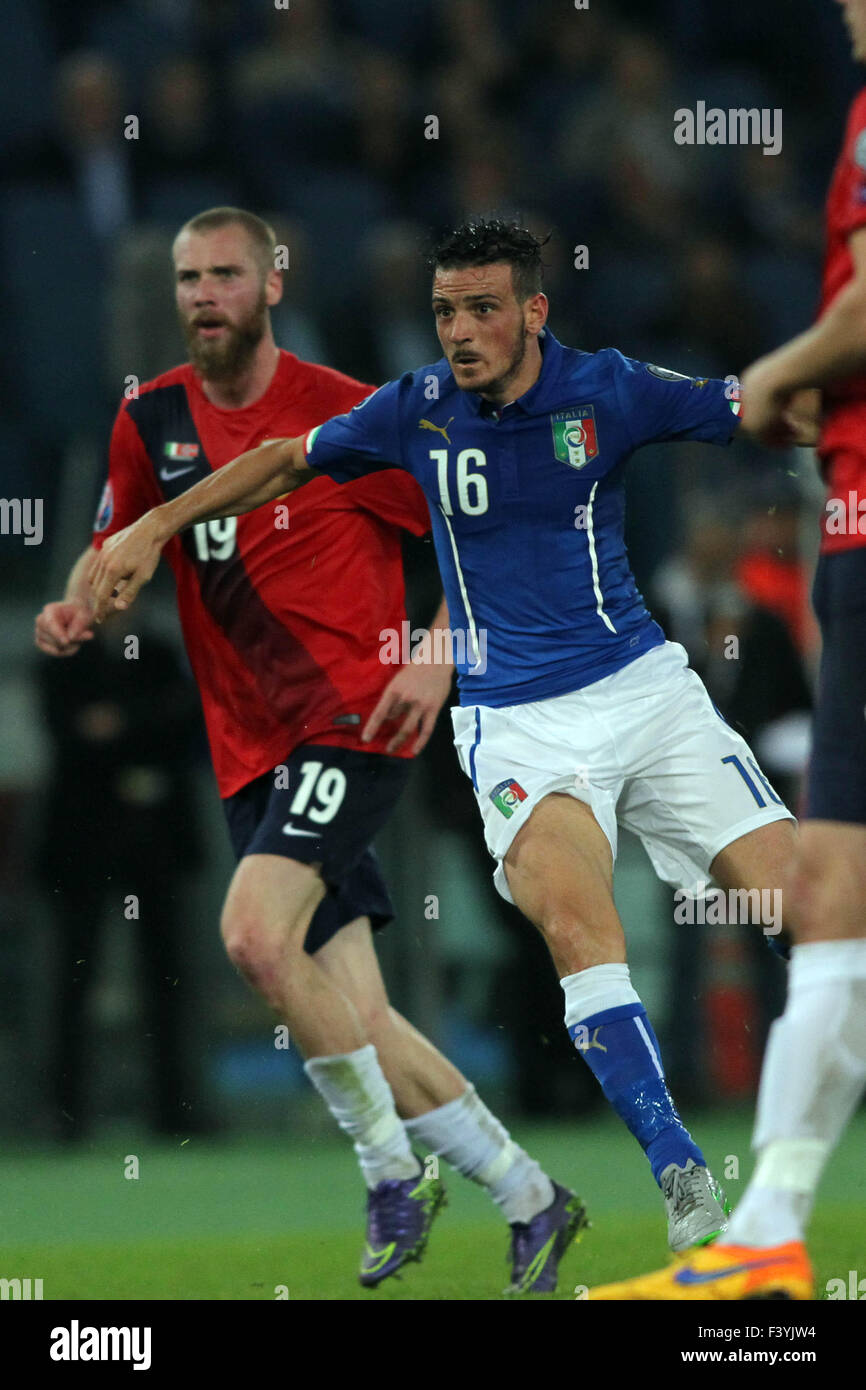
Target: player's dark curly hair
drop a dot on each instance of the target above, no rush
(484, 243)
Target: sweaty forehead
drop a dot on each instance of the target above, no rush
(473, 279)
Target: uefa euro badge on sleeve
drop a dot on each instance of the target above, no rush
(575, 440)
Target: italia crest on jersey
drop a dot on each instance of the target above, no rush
(507, 796)
(575, 438)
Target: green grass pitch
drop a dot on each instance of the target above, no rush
(240, 1220)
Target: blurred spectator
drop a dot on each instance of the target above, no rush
(301, 54)
(390, 121)
(743, 651)
(296, 322)
(709, 313)
(770, 567)
(566, 57)
(85, 152)
(392, 24)
(487, 176)
(294, 96)
(404, 336)
(179, 133)
(625, 134)
(120, 820)
(143, 337)
(773, 207)
(471, 37)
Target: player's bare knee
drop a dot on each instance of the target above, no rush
(261, 956)
(238, 929)
(244, 944)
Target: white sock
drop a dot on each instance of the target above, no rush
(596, 989)
(469, 1137)
(813, 1076)
(354, 1088)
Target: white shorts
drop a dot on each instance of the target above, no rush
(645, 748)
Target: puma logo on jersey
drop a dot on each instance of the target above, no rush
(440, 429)
(594, 1042)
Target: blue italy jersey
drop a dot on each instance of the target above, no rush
(527, 505)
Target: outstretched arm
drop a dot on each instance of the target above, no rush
(127, 561)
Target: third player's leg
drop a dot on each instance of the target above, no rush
(827, 882)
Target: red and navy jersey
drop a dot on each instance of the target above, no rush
(282, 609)
(842, 444)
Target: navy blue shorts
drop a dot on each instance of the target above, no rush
(324, 806)
(837, 770)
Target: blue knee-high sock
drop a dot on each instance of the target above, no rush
(620, 1047)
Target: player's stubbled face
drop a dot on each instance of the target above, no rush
(221, 300)
(481, 326)
(854, 14)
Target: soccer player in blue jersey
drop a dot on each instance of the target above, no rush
(576, 714)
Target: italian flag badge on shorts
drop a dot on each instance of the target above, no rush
(507, 796)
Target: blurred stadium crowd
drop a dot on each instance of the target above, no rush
(119, 120)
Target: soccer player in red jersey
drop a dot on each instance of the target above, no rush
(282, 611)
(815, 1066)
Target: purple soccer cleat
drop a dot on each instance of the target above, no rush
(538, 1246)
(400, 1213)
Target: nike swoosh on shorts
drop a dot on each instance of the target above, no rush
(289, 829)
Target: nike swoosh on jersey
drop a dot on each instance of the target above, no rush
(167, 477)
(694, 1276)
(289, 829)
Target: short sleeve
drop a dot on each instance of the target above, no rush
(129, 490)
(363, 440)
(658, 404)
(851, 212)
(394, 496)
